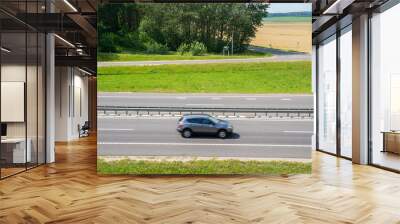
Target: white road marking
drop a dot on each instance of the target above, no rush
(200, 144)
(251, 99)
(204, 104)
(286, 99)
(216, 98)
(181, 98)
(115, 129)
(298, 132)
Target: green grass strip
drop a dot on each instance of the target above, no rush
(173, 56)
(140, 167)
(267, 77)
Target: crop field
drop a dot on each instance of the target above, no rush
(293, 19)
(286, 35)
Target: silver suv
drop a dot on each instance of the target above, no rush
(203, 124)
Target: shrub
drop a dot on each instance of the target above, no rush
(195, 49)
(131, 41)
(153, 47)
(108, 42)
(183, 49)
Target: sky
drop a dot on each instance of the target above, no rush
(289, 7)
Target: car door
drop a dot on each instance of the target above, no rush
(208, 126)
(196, 125)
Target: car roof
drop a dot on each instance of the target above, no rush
(196, 116)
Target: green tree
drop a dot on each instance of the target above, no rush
(174, 24)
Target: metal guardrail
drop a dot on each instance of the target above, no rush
(247, 112)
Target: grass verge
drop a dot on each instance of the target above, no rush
(172, 56)
(141, 167)
(268, 77)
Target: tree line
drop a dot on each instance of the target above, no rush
(159, 28)
(280, 14)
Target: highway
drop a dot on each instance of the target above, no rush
(253, 138)
(206, 100)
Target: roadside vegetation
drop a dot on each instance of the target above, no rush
(186, 28)
(292, 17)
(198, 167)
(268, 77)
(142, 56)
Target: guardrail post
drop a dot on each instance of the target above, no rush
(290, 113)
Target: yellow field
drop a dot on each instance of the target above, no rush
(295, 36)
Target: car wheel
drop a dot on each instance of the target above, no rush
(187, 133)
(222, 134)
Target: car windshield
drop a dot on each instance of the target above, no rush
(215, 120)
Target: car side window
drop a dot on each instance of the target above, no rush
(206, 121)
(194, 121)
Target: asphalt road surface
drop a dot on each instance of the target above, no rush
(275, 58)
(205, 100)
(275, 51)
(157, 137)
